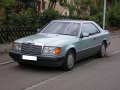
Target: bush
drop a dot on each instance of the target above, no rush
(19, 20)
(98, 18)
(114, 16)
(22, 19)
(48, 15)
(96, 13)
(28, 18)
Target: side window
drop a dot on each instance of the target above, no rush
(85, 28)
(94, 29)
(90, 28)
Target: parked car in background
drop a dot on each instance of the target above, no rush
(61, 43)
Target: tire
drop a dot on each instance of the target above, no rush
(102, 52)
(69, 61)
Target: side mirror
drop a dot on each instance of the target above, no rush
(38, 30)
(84, 35)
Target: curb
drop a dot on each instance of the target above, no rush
(4, 63)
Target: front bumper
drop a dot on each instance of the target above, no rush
(41, 60)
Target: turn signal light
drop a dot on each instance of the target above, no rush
(57, 51)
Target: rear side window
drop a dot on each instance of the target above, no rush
(90, 28)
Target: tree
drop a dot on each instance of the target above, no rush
(77, 8)
(5, 6)
(63, 3)
(6, 3)
(52, 4)
(25, 4)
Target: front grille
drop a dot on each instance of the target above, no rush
(28, 48)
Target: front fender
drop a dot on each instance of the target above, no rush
(68, 47)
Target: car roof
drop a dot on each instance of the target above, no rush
(75, 21)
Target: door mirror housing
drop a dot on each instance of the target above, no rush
(84, 35)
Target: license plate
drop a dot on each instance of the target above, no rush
(31, 58)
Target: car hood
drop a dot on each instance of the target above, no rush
(47, 39)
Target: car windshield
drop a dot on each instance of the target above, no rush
(63, 28)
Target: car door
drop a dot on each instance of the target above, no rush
(88, 44)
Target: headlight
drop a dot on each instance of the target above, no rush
(51, 51)
(16, 47)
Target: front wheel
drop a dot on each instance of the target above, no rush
(102, 51)
(69, 61)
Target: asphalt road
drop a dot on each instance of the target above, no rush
(88, 74)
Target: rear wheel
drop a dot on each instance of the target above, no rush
(69, 61)
(102, 52)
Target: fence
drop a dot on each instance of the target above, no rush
(10, 34)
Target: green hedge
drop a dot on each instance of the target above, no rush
(28, 19)
(17, 26)
(114, 16)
